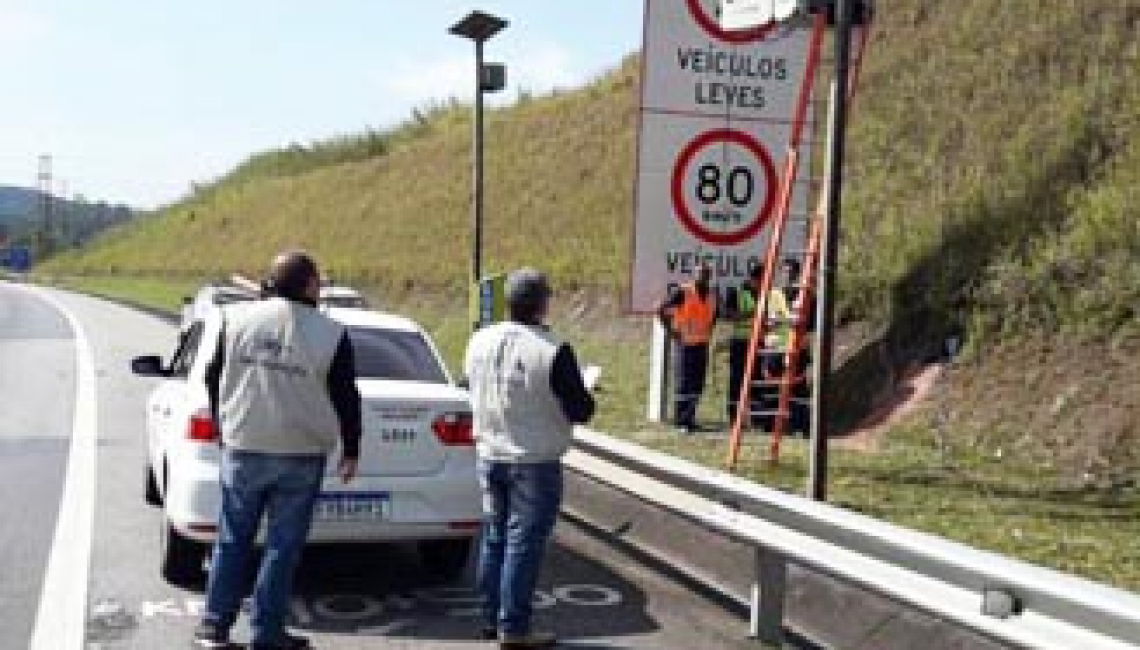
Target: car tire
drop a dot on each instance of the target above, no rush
(445, 558)
(153, 495)
(182, 558)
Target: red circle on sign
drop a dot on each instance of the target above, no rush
(729, 36)
(678, 187)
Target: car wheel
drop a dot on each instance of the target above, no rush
(445, 558)
(153, 495)
(182, 557)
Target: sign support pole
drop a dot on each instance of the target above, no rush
(825, 342)
(658, 407)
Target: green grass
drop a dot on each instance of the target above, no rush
(1000, 505)
(159, 293)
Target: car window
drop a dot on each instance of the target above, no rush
(187, 349)
(391, 354)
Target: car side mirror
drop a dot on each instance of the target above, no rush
(148, 366)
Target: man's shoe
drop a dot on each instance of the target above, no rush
(487, 633)
(287, 642)
(529, 640)
(213, 637)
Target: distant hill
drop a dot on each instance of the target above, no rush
(17, 203)
(74, 221)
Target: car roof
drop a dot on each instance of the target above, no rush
(354, 317)
(210, 293)
(340, 291)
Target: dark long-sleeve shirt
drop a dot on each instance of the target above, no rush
(568, 387)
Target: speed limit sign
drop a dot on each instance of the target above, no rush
(723, 187)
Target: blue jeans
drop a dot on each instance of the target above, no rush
(520, 503)
(284, 488)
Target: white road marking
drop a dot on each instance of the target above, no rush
(168, 607)
(62, 615)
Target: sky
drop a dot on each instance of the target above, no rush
(134, 100)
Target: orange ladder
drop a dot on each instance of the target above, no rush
(793, 347)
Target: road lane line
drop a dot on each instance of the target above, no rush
(62, 615)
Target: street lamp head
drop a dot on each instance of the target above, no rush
(478, 26)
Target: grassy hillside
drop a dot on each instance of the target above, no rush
(391, 208)
(994, 193)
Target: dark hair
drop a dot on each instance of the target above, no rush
(290, 275)
(527, 293)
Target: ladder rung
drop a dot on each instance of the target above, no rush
(765, 413)
(772, 351)
(777, 382)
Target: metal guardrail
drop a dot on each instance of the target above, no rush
(998, 597)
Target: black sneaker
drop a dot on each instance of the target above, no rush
(213, 637)
(287, 642)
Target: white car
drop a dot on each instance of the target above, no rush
(416, 478)
(339, 296)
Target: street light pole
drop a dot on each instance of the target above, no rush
(477, 171)
(479, 27)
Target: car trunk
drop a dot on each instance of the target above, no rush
(398, 438)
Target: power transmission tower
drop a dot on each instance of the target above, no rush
(44, 185)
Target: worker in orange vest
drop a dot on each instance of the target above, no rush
(688, 314)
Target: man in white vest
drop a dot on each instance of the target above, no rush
(527, 393)
(282, 386)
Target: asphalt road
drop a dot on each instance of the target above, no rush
(360, 597)
(37, 380)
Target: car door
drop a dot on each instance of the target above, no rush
(167, 405)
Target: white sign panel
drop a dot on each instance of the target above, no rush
(716, 121)
(693, 65)
(747, 14)
(714, 193)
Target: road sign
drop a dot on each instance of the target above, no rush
(19, 258)
(716, 193)
(737, 15)
(707, 194)
(716, 119)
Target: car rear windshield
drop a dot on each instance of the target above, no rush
(391, 354)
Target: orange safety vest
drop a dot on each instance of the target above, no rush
(693, 318)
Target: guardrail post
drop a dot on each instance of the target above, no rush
(769, 583)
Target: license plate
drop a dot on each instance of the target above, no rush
(353, 506)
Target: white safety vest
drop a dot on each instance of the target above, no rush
(518, 419)
(274, 395)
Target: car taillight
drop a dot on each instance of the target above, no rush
(454, 429)
(201, 427)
